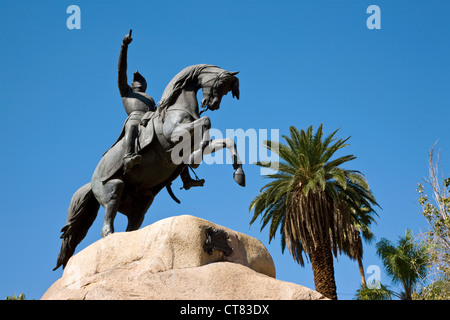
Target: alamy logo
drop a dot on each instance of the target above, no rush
(244, 146)
(374, 21)
(374, 280)
(74, 20)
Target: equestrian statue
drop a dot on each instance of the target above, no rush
(156, 145)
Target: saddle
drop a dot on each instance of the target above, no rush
(147, 130)
(113, 158)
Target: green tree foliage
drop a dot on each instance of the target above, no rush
(14, 297)
(437, 237)
(422, 266)
(405, 263)
(377, 292)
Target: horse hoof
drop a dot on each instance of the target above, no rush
(239, 177)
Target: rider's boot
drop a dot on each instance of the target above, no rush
(188, 182)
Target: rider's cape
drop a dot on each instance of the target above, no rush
(112, 160)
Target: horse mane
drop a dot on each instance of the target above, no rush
(179, 82)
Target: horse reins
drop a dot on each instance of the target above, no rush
(216, 79)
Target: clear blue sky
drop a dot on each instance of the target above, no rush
(301, 63)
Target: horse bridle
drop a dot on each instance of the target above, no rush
(208, 93)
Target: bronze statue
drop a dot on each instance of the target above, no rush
(136, 103)
(149, 148)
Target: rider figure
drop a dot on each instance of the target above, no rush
(136, 103)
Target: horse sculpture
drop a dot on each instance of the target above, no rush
(162, 134)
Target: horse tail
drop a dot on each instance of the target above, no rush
(82, 213)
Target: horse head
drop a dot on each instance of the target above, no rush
(217, 83)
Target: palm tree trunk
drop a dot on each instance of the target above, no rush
(361, 271)
(359, 250)
(408, 291)
(323, 269)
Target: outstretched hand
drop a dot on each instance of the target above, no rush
(127, 39)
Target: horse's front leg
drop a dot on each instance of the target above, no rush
(212, 146)
(176, 130)
(187, 138)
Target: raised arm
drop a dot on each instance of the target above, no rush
(122, 74)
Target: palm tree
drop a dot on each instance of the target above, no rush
(363, 219)
(310, 200)
(404, 263)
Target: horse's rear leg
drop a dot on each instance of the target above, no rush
(113, 192)
(136, 217)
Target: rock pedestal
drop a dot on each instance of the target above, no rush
(181, 257)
